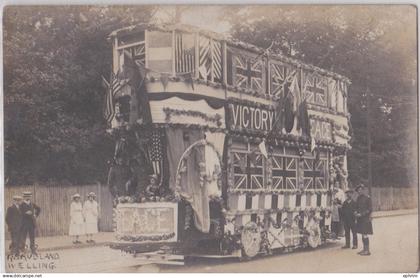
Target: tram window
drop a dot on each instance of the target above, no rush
(301, 217)
(248, 202)
(254, 217)
(278, 218)
(298, 200)
(274, 201)
(318, 200)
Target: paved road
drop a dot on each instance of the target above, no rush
(394, 248)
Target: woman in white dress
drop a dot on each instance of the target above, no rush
(91, 212)
(77, 225)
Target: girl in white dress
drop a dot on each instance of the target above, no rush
(77, 225)
(91, 212)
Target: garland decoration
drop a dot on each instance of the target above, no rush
(145, 238)
(217, 118)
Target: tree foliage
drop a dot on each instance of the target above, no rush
(375, 46)
(53, 61)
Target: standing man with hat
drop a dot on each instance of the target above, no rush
(14, 223)
(30, 212)
(347, 212)
(363, 218)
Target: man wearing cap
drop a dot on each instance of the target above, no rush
(14, 223)
(363, 218)
(30, 212)
(347, 212)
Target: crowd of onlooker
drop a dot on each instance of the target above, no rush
(21, 219)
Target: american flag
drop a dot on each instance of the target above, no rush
(184, 53)
(113, 87)
(156, 151)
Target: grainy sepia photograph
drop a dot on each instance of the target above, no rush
(210, 138)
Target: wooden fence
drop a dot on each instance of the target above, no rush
(54, 201)
(392, 198)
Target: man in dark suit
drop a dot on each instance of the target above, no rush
(30, 212)
(347, 212)
(363, 218)
(14, 223)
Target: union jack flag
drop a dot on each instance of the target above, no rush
(314, 90)
(210, 59)
(137, 54)
(248, 73)
(248, 171)
(314, 172)
(281, 79)
(284, 172)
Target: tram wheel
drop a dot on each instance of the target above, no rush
(250, 240)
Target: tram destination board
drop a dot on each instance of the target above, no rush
(146, 222)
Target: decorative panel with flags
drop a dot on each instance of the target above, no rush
(281, 78)
(136, 53)
(248, 170)
(210, 65)
(314, 90)
(314, 174)
(284, 172)
(248, 73)
(332, 93)
(184, 52)
(159, 51)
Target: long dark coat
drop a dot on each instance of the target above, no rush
(364, 222)
(29, 220)
(14, 219)
(347, 211)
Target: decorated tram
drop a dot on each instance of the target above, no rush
(222, 148)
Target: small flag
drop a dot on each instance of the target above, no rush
(263, 149)
(253, 157)
(164, 78)
(113, 89)
(203, 71)
(156, 151)
(189, 80)
(313, 144)
(105, 83)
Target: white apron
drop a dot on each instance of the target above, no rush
(77, 225)
(90, 211)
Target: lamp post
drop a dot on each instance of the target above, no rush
(369, 140)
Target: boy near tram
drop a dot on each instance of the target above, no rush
(363, 216)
